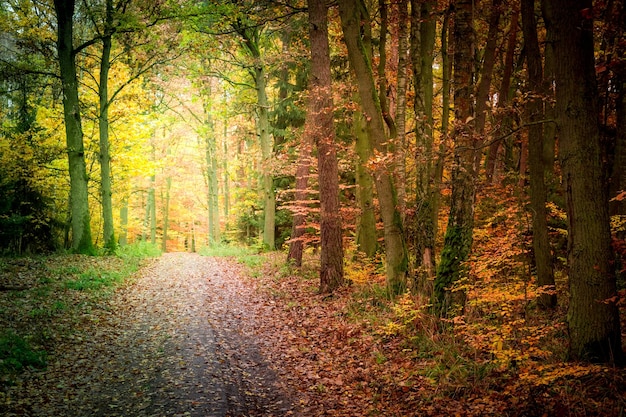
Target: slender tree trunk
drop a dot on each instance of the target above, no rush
(301, 200)
(152, 209)
(538, 194)
(250, 35)
(79, 200)
(269, 197)
(482, 91)
(503, 97)
(123, 240)
(166, 213)
(459, 234)
(226, 174)
(401, 88)
(382, 73)
(366, 234)
(354, 14)
(321, 127)
(549, 128)
(423, 30)
(103, 126)
(593, 317)
(210, 150)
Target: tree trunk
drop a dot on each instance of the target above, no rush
(103, 126)
(593, 316)
(459, 233)
(166, 213)
(79, 200)
(269, 197)
(301, 198)
(321, 127)
(401, 88)
(250, 37)
(226, 174)
(123, 240)
(482, 91)
(538, 194)
(151, 212)
(210, 150)
(353, 14)
(423, 29)
(503, 99)
(366, 233)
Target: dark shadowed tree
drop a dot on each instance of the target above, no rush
(593, 316)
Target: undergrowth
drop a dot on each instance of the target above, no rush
(503, 355)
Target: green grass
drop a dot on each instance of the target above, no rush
(94, 279)
(139, 250)
(16, 353)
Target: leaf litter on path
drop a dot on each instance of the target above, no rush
(179, 341)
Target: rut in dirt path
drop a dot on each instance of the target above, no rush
(178, 342)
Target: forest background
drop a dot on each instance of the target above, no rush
(461, 161)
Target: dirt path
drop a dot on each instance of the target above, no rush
(179, 342)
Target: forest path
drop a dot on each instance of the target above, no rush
(180, 341)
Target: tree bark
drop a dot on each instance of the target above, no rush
(321, 127)
(593, 316)
(482, 91)
(366, 233)
(459, 233)
(401, 89)
(301, 197)
(103, 127)
(166, 212)
(79, 200)
(354, 14)
(210, 150)
(250, 36)
(503, 99)
(538, 194)
(423, 29)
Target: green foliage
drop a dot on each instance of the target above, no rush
(16, 353)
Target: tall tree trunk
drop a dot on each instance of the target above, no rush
(354, 14)
(321, 127)
(210, 150)
(503, 96)
(269, 197)
(152, 209)
(79, 200)
(482, 91)
(366, 234)
(382, 73)
(401, 88)
(226, 174)
(593, 316)
(166, 213)
(301, 199)
(123, 240)
(103, 126)
(459, 233)
(423, 30)
(250, 35)
(538, 194)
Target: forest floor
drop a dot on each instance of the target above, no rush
(200, 336)
(178, 341)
